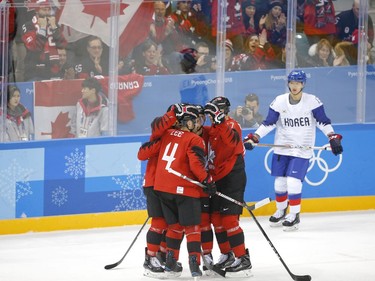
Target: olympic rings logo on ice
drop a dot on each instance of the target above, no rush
(315, 159)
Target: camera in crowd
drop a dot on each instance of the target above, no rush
(246, 111)
(209, 58)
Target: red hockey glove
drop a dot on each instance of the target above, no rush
(250, 141)
(335, 143)
(209, 186)
(217, 116)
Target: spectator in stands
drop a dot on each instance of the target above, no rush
(259, 54)
(185, 24)
(300, 15)
(280, 60)
(23, 15)
(91, 117)
(42, 36)
(6, 43)
(126, 65)
(347, 25)
(188, 61)
(202, 20)
(275, 24)
(18, 123)
(151, 61)
(162, 29)
(250, 16)
(235, 27)
(66, 67)
(248, 116)
(321, 54)
(205, 62)
(232, 62)
(319, 21)
(346, 54)
(93, 63)
(183, 62)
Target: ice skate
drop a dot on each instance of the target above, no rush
(194, 266)
(161, 257)
(225, 260)
(152, 267)
(208, 260)
(277, 218)
(172, 267)
(291, 222)
(241, 267)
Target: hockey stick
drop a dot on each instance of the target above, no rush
(250, 208)
(257, 205)
(113, 265)
(294, 277)
(293, 146)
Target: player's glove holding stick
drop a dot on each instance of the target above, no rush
(250, 141)
(335, 143)
(209, 186)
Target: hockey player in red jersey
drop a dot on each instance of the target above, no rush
(206, 229)
(182, 150)
(227, 167)
(154, 238)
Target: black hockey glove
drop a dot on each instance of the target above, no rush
(209, 186)
(217, 116)
(178, 109)
(335, 143)
(250, 141)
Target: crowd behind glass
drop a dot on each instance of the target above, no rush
(181, 39)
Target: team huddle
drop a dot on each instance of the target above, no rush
(190, 164)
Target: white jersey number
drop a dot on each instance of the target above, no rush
(169, 158)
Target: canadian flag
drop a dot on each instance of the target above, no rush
(90, 17)
(55, 103)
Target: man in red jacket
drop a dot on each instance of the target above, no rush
(319, 21)
(235, 27)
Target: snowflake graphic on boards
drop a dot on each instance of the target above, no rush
(14, 183)
(131, 194)
(75, 163)
(59, 196)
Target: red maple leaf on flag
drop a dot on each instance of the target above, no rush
(60, 130)
(135, 18)
(102, 11)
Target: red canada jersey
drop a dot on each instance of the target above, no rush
(234, 22)
(181, 151)
(158, 126)
(149, 151)
(225, 144)
(205, 136)
(318, 19)
(42, 58)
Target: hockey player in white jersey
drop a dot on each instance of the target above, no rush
(295, 116)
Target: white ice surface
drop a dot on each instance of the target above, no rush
(328, 246)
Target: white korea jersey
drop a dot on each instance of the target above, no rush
(295, 124)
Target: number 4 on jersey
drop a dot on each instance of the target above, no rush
(169, 158)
